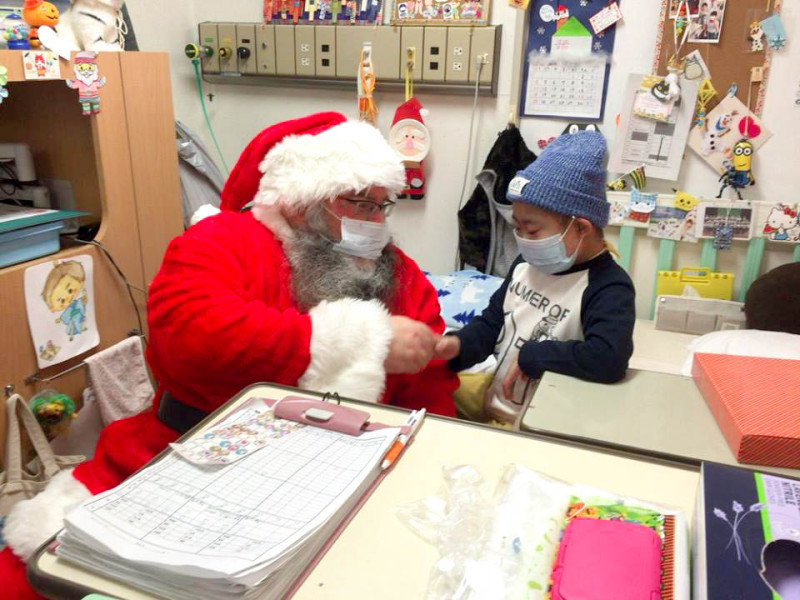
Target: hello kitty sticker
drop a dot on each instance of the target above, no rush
(59, 296)
(782, 223)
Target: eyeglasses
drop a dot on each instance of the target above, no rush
(370, 208)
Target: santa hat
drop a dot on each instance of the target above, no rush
(31, 4)
(296, 164)
(87, 56)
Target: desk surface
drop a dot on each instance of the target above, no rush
(377, 552)
(651, 412)
(661, 351)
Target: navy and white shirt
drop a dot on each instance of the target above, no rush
(579, 323)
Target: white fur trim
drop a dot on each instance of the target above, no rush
(349, 344)
(31, 523)
(206, 210)
(303, 170)
(273, 219)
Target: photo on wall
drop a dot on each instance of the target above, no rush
(737, 215)
(705, 26)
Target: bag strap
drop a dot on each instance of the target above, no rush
(38, 439)
(13, 459)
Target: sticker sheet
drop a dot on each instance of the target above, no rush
(59, 296)
(566, 75)
(241, 434)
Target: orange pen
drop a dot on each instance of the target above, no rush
(413, 423)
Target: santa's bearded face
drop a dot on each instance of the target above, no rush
(321, 272)
(86, 73)
(410, 141)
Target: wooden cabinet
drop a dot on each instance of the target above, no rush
(123, 167)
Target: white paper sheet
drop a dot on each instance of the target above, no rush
(659, 146)
(59, 297)
(211, 521)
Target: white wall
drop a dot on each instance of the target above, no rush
(427, 229)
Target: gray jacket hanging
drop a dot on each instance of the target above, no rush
(201, 179)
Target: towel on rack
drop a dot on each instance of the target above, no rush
(118, 377)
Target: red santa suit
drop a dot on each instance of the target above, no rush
(221, 313)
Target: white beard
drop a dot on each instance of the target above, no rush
(87, 79)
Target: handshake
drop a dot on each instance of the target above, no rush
(414, 345)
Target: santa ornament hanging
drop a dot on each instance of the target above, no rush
(410, 139)
(87, 81)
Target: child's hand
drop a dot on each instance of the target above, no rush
(448, 347)
(514, 373)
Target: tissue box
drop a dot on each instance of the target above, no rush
(746, 535)
(755, 403)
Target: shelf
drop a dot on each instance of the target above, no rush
(459, 89)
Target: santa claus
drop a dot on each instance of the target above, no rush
(306, 289)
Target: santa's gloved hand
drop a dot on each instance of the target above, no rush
(412, 346)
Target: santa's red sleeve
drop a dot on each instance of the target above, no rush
(433, 387)
(221, 318)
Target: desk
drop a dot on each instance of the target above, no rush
(377, 556)
(646, 413)
(656, 350)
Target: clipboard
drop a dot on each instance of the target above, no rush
(56, 578)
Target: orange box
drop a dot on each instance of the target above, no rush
(756, 402)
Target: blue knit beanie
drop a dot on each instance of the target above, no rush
(568, 178)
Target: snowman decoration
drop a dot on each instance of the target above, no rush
(410, 139)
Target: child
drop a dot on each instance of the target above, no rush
(565, 306)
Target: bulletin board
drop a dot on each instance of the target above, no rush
(729, 60)
(589, 77)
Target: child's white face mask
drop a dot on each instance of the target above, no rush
(548, 255)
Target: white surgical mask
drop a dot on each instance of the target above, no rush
(364, 239)
(548, 255)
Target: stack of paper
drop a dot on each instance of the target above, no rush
(247, 529)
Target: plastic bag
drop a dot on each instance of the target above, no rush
(498, 547)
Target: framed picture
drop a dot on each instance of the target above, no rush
(437, 12)
(738, 215)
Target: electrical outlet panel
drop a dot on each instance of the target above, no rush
(458, 43)
(265, 49)
(412, 37)
(228, 61)
(246, 48)
(209, 38)
(284, 50)
(434, 54)
(446, 54)
(385, 50)
(485, 40)
(304, 50)
(325, 50)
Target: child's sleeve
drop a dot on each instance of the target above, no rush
(478, 338)
(608, 315)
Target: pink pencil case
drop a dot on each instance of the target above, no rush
(607, 560)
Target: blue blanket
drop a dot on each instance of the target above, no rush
(463, 295)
